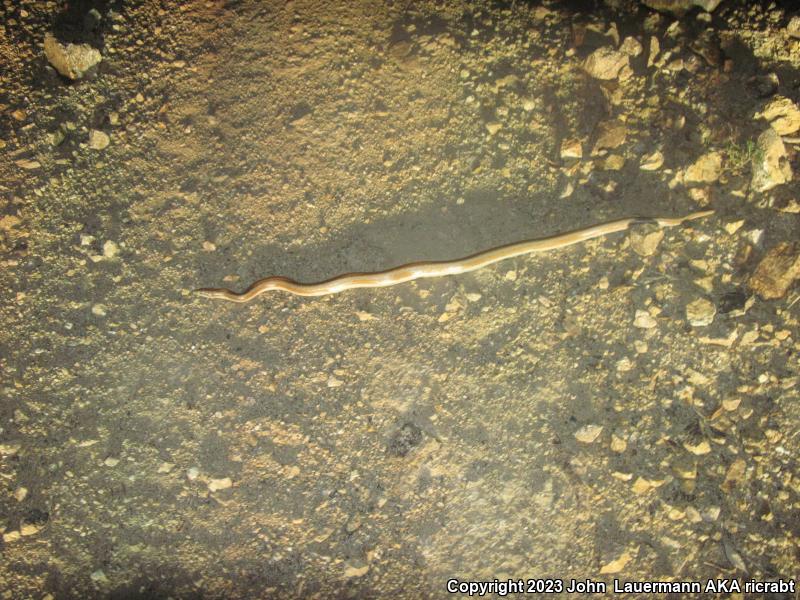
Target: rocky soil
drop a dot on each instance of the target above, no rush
(626, 408)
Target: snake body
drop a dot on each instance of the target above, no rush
(420, 270)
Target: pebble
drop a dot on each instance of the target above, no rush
(701, 312)
(770, 163)
(644, 320)
(614, 162)
(652, 161)
(30, 528)
(192, 473)
(618, 444)
(776, 272)
(111, 462)
(99, 577)
(605, 63)
(624, 364)
(700, 449)
(11, 536)
(733, 226)
(99, 310)
(98, 140)
(110, 249)
(616, 565)
(571, 148)
(21, 493)
(655, 49)
(493, 127)
(215, 485)
(588, 433)
(353, 571)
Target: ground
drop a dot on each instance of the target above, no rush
(625, 408)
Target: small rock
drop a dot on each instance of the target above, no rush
(98, 140)
(644, 320)
(605, 63)
(27, 164)
(776, 272)
(353, 571)
(618, 444)
(30, 528)
(610, 135)
(733, 226)
(655, 50)
(701, 312)
(192, 473)
(215, 485)
(770, 163)
(645, 244)
(493, 127)
(99, 577)
(614, 162)
(111, 462)
(72, 60)
(700, 449)
(705, 169)
(624, 364)
(588, 433)
(793, 27)
(21, 493)
(99, 310)
(652, 161)
(631, 46)
(735, 475)
(571, 148)
(110, 249)
(792, 206)
(11, 536)
(782, 114)
(616, 565)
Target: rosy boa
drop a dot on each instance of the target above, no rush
(418, 270)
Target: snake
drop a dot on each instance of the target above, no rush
(439, 268)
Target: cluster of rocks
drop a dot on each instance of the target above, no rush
(767, 156)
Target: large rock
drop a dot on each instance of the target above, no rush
(793, 28)
(72, 60)
(605, 63)
(705, 169)
(776, 272)
(681, 7)
(783, 115)
(770, 163)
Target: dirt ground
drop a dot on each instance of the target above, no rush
(626, 408)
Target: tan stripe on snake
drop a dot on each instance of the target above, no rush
(419, 270)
